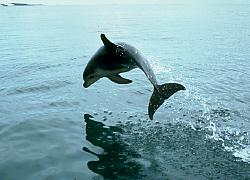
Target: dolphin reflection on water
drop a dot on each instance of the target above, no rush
(112, 59)
(118, 159)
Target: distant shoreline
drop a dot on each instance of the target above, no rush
(20, 4)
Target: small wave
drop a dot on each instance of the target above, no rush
(79, 57)
(46, 86)
(138, 92)
(37, 66)
(20, 70)
(63, 104)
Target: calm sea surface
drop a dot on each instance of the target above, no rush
(52, 128)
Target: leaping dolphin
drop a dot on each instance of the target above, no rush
(115, 58)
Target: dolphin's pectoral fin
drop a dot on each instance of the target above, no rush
(120, 80)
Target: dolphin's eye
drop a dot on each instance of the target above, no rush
(91, 77)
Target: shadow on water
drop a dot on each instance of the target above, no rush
(118, 159)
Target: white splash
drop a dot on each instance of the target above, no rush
(157, 66)
(244, 154)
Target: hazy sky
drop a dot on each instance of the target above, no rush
(120, 1)
(92, 1)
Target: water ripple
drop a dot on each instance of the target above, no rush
(44, 87)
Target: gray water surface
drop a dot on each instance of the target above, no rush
(53, 128)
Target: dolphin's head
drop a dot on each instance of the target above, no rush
(90, 77)
(95, 68)
(102, 64)
(91, 74)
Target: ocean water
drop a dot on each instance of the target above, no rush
(52, 128)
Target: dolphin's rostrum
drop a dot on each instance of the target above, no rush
(115, 58)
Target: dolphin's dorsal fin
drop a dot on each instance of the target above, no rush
(107, 43)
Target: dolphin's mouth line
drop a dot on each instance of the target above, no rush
(85, 85)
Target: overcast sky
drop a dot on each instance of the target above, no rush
(92, 1)
(121, 1)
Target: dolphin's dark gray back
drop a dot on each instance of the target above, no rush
(141, 62)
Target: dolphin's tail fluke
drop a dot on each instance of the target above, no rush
(161, 93)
